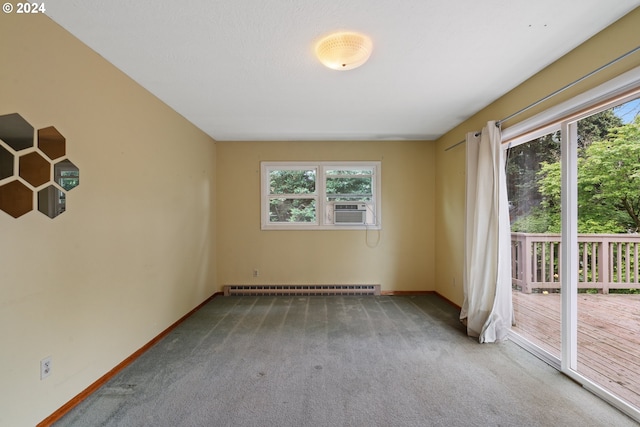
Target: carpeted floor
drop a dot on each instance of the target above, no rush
(337, 361)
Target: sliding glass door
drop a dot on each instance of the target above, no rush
(535, 239)
(574, 194)
(607, 296)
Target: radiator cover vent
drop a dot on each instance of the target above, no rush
(303, 290)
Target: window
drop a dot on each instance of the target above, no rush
(574, 204)
(320, 195)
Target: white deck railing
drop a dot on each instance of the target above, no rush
(606, 261)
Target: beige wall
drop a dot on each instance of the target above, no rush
(133, 252)
(403, 259)
(611, 43)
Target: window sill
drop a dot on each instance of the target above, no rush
(299, 227)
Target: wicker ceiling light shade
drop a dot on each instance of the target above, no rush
(344, 50)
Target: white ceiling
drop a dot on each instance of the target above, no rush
(245, 69)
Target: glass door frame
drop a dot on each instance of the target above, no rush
(565, 117)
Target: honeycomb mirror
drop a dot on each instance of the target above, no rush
(17, 134)
(51, 201)
(67, 175)
(33, 168)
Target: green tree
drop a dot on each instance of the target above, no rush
(609, 178)
(292, 182)
(596, 127)
(608, 183)
(523, 164)
(349, 185)
(536, 209)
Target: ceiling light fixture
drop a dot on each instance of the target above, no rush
(344, 50)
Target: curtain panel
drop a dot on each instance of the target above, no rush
(487, 309)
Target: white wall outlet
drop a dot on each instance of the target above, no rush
(45, 367)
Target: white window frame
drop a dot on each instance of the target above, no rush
(564, 117)
(324, 208)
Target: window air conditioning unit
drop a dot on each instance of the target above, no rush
(349, 213)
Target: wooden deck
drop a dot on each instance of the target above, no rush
(608, 336)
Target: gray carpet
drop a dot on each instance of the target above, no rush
(336, 361)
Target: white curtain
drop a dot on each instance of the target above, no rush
(487, 308)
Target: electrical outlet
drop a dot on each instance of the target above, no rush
(45, 367)
(255, 272)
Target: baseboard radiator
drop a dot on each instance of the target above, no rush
(303, 290)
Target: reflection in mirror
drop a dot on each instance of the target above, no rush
(16, 132)
(16, 199)
(34, 169)
(51, 142)
(6, 163)
(66, 174)
(51, 201)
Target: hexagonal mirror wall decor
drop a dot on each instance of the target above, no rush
(51, 201)
(67, 175)
(6, 163)
(32, 169)
(16, 132)
(16, 199)
(51, 143)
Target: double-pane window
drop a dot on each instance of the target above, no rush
(305, 195)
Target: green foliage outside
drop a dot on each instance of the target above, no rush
(352, 185)
(608, 179)
(287, 183)
(292, 185)
(292, 181)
